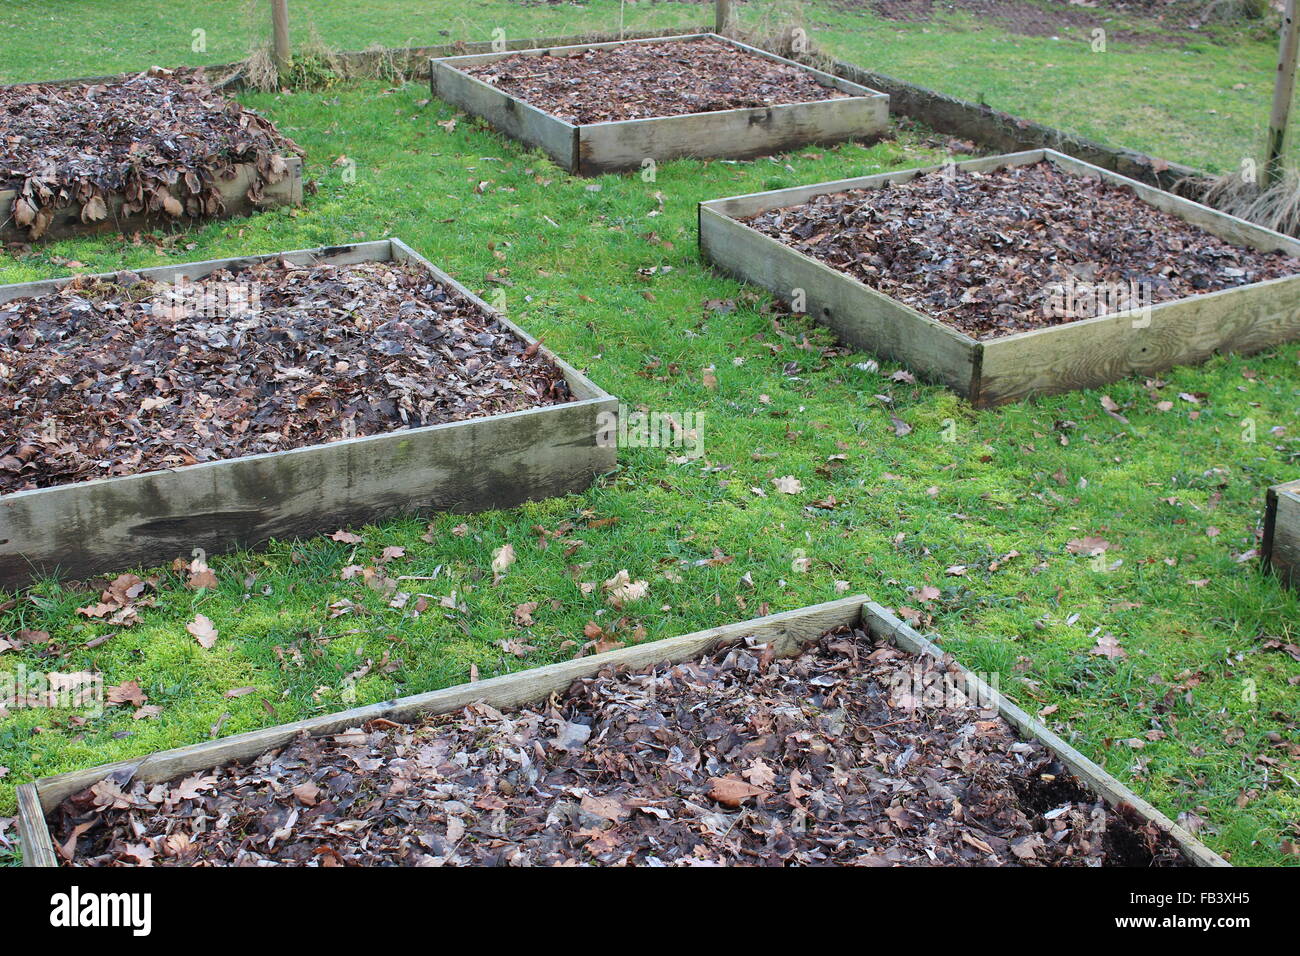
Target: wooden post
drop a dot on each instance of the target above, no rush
(282, 52)
(722, 17)
(1282, 93)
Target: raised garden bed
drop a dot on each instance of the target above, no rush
(338, 386)
(703, 748)
(959, 272)
(122, 155)
(1281, 549)
(604, 107)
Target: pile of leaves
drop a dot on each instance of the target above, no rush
(736, 758)
(985, 252)
(161, 142)
(643, 80)
(109, 377)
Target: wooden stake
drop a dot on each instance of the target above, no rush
(1282, 93)
(722, 17)
(282, 52)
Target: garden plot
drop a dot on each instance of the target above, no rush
(134, 154)
(1281, 548)
(831, 734)
(220, 404)
(1031, 273)
(612, 106)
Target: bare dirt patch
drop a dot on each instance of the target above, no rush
(163, 142)
(645, 80)
(991, 254)
(123, 376)
(736, 758)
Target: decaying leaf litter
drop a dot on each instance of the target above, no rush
(985, 253)
(119, 376)
(162, 141)
(836, 756)
(644, 80)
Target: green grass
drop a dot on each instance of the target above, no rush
(1027, 478)
(1196, 97)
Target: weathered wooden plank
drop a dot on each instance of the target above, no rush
(1281, 547)
(1082, 354)
(861, 316)
(625, 144)
(881, 622)
(751, 204)
(509, 114)
(1093, 352)
(148, 519)
(733, 134)
(38, 848)
(376, 251)
(234, 193)
(787, 632)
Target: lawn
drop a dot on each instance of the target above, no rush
(1198, 715)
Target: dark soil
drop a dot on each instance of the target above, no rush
(986, 253)
(123, 376)
(643, 80)
(161, 141)
(838, 756)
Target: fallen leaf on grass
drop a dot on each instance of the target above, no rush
(1108, 646)
(622, 589)
(204, 632)
(1089, 545)
(502, 558)
(788, 485)
(128, 692)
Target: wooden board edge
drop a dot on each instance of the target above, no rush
(787, 631)
(1288, 491)
(582, 386)
(1234, 227)
(880, 620)
(755, 203)
(472, 59)
(589, 399)
(376, 250)
(33, 831)
(452, 85)
(1160, 317)
(822, 77)
(962, 378)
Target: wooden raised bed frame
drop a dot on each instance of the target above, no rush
(1083, 354)
(500, 461)
(67, 222)
(787, 632)
(1281, 549)
(593, 148)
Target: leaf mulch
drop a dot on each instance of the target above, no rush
(161, 141)
(735, 758)
(119, 376)
(982, 252)
(644, 80)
